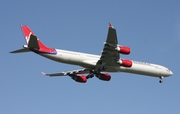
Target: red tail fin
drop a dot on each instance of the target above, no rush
(34, 43)
(27, 32)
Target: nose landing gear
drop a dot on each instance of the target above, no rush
(161, 79)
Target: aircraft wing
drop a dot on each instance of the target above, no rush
(109, 54)
(79, 71)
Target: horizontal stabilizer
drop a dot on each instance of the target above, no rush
(21, 50)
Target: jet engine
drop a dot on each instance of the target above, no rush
(125, 63)
(123, 50)
(104, 77)
(81, 79)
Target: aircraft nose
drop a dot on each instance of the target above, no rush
(171, 73)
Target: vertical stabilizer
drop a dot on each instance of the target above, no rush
(33, 43)
(27, 32)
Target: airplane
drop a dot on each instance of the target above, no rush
(93, 65)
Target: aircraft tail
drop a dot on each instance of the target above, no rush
(33, 43)
(27, 32)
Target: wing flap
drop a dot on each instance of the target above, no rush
(54, 74)
(80, 71)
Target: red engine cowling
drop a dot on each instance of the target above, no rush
(123, 50)
(104, 77)
(81, 79)
(125, 63)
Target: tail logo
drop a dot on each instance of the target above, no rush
(28, 37)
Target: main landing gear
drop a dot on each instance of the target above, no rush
(90, 75)
(95, 72)
(161, 79)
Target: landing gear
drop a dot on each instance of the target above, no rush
(161, 79)
(90, 75)
(93, 73)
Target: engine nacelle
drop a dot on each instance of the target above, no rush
(123, 50)
(125, 63)
(104, 77)
(81, 79)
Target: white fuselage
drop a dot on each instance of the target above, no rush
(89, 61)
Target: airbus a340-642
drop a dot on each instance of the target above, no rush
(93, 65)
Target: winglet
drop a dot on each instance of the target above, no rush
(110, 25)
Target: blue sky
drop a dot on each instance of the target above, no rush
(150, 28)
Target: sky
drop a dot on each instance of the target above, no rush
(150, 28)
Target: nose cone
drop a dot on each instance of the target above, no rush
(170, 73)
(167, 73)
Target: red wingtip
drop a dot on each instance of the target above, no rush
(110, 25)
(43, 73)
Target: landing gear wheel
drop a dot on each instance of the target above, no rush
(161, 79)
(90, 76)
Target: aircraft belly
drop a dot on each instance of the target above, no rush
(69, 59)
(89, 63)
(142, 70)
(72, 59)
(50, 56)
